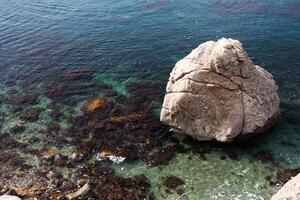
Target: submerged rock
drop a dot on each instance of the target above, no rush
(17, 129)
(31, 115)
(290, 191)
(77, 75)
(172, 182)
(162, 156)
(218, 93)
(264, 156)
(20, 99)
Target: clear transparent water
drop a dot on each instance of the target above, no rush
(140, 40)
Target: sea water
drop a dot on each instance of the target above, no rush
(132, 41)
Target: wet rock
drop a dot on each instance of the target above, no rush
(172, 182)
(9, 197)
(20, 99)
(285, 175)
(217, 93)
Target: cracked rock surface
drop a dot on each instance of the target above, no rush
(217, 93)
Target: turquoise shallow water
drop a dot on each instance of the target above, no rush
(139, 41)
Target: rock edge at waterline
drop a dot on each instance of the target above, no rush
(290, 190)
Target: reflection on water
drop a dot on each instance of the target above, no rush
(84, 80)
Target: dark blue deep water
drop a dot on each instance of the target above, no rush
(128, 48)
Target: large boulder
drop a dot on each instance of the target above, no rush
(217, 93)
(290, 191)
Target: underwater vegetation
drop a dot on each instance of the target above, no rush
(81, 88)
(53, 148)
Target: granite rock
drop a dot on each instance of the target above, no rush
(217, 93)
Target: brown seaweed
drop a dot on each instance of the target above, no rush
(173, 182)
(77, 75)
(21, 99)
